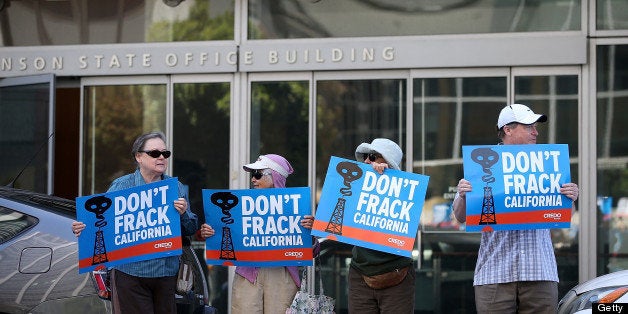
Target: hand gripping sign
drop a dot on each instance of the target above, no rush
(258, 227)
(361, 207)
(129, 225)
(516, 187)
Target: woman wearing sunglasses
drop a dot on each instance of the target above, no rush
(265, 289)
(148, 286)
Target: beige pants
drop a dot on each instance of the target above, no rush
(272, 292)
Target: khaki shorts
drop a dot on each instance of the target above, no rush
(272, 292)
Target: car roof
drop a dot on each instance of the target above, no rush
(58, 205)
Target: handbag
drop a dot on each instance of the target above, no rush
(311, 303)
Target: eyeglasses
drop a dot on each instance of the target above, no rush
(372, 156)
(155, 153)
(258, 174)
(529, 127)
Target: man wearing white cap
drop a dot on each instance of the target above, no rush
(516, 269)
(380, 282)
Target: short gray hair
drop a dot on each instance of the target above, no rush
(141, 140)
(500, 132)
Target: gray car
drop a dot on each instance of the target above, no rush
(605, 290)
(39, 261)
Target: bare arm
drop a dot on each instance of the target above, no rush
(460, 204)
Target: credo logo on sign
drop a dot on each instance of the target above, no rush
(555, 216)
(397, 241)
(295, 254)
(163, 245)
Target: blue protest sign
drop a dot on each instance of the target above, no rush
(361, 207)
(129, 225)
(516, 187)
(258, 227)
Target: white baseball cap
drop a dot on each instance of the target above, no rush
(520, 114)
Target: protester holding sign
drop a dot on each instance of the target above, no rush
(516, 269)
(380, 282)
(265, 289)
(148, 286)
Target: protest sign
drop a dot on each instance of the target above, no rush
(258, 227)
(361, 207)
(516, 187)
(129, 225)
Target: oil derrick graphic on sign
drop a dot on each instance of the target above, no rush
(98, 205)
(488, 208)
(349, 172)
(486, 158)
(226, 201)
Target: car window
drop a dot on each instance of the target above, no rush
(13, 223)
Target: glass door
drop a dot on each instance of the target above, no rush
(611, 170)
(556, 93)
(456, 108)
(195, 113)
(353, 108)
(449, 109)
(27, 132)
(202, 127)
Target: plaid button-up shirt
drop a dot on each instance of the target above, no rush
(517, 255)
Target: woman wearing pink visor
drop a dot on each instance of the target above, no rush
(265, 289)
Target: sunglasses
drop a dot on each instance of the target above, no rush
(372, 157)
(258, 174)
(155, 153)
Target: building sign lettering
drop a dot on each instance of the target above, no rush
(333, 54)
(120, 60)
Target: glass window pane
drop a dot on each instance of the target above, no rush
(557, 97)
(611, 14)
(200, 158)
(279, 124)
(612, 154)
(105, 22)
(201, 138)
(24, 127)
(12, 223)
(274, 19)
(349, 113)
(114, 115)
(450, 112)
(353, 112)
